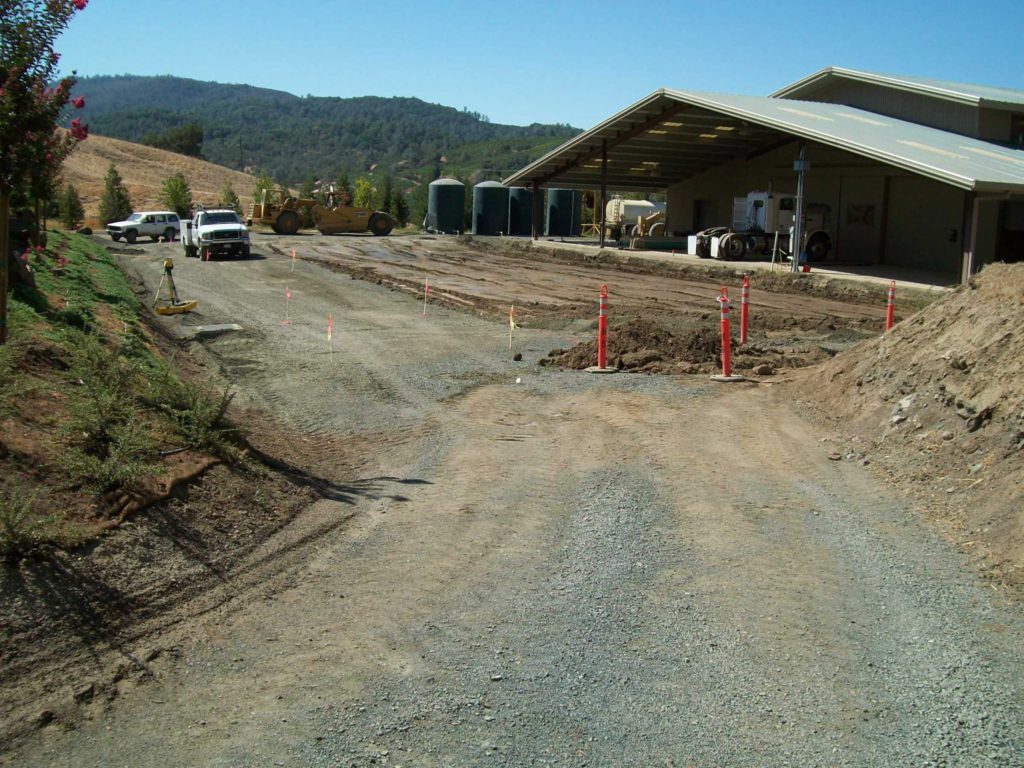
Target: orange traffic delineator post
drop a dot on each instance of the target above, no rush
(726, 375)
(602, 335)
(890, 309)
(744, 309)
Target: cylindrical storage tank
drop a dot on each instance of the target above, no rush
(520, 211)
(564, 213)
(490, 208)
(446, 207)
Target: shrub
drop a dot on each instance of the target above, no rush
(21, 529)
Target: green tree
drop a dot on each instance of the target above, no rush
(400, 207)
(176, 195)
(30, 110)
(264, 183)
(343, 185)
(420, 199)
(115, 205)
(364, 193)
(185, 140)
(228, 198)
(385, 193)
(71, 211)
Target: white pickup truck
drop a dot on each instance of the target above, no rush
(154, 224)
(214, 232)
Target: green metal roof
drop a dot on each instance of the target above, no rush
(673, 135)
(978, 95)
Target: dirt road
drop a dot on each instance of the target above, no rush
(541, 567)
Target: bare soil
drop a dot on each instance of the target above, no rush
(516, 563)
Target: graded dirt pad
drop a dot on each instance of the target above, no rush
(528, 565)
(662, 319)
(938, 403)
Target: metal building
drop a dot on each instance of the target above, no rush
(905, 173)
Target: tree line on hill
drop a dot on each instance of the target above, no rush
(292, 137)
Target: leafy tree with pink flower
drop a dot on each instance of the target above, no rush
(32, 148)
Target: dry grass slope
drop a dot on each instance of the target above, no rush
(144, 170)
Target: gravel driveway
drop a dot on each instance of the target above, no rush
(566, 569)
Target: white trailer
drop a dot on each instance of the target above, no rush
(621, 216)
(762, 222)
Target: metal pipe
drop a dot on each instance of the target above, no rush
(604, 187)
(796, 247)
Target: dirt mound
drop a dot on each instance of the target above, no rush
(144, 170)
(645, 345)
(938, 403)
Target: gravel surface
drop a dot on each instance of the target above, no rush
(570, 570)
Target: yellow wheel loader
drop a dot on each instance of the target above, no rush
(285, 216)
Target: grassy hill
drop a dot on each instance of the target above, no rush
(144, 170)
(294, 138)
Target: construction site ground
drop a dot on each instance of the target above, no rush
(505, 560)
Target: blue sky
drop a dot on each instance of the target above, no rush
(523, 61)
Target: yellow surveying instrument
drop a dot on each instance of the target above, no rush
(173, 305)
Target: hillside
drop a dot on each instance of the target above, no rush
(295, 137)
(144, 170)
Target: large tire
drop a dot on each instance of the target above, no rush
(169, 234)
(381, 224)
(818, 247)
(287, 223)
(731, 247)
(247, 252)
(116, 238)
(131, 236)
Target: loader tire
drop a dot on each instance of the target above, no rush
(287, 223)
(381, 224)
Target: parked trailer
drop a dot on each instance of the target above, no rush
(762, 223)
(621, 216)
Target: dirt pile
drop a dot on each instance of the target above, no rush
(938, 404)
(647, 345)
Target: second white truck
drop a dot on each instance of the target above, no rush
(215, 232)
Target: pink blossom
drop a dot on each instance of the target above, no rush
(78, 102)
(54, 57)
(79, 4)
(39, 249)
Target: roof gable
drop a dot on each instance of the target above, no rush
(963, 93)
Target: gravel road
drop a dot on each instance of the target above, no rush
(566, 569)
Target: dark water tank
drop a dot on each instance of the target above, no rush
(520, 211)
(446, 207)
(490, 208)
(564, 213)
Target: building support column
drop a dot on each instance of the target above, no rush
(796, 245)
(604, 186)
(535, 203)
(970, 236)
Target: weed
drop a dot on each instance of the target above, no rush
(21, 529)
(127, 457)
(197, 412)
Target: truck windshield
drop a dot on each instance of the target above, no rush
(135, 217)
(220, 217)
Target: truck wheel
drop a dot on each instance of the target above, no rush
(381, 224)
(169, 234)
(116, 238)
(131, 236)
(247, 251)
(287, 223)
(731, 247)
(818, 247)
